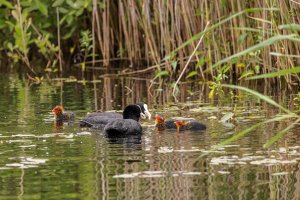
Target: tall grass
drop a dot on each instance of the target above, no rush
(145, 32)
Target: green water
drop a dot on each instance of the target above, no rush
(41, 161)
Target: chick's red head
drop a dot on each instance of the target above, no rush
(57, 110)
(180, 124)
(159, 119)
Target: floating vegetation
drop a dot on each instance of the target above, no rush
(227, 117)
(19, 141)
(157, 174)
(84, 133)
(27, 146)
(206, 109)
(281, 174)
(165, 150)
(253, 160)
(26, 162)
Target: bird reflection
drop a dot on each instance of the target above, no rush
(130, 141)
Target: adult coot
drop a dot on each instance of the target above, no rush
(62, 116)
(129, 125)
(100, 119)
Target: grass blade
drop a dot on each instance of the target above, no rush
(293, 27)
(260, 96)
(246, 131)
(237, 136)
(256, 47)
(280, 134)
(276, 74)
(198, 35)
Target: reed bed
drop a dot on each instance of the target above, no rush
(243, 35)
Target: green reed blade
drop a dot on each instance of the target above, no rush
(276, 74)
(279, 134)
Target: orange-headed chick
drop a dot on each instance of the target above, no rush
(162, 124)
(61, 115)
(189, 125)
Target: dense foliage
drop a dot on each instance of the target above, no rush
(243, 37)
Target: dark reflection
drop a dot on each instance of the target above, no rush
(132, 142)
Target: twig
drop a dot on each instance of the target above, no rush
(295, 2)
(188, 62)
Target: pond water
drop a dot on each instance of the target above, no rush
(41, 161)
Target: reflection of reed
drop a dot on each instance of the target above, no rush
(21, 184)
(107, 92)
(95, 92)
(242, 182)
(119, 92)
(296, 193)
(101, 188)
(169, 186)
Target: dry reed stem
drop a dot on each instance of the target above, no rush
(58, 41)
(188, 62)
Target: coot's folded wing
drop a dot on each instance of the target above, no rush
(123, 127)
(99, 120)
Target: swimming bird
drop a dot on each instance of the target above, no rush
(100, 119)
(189, 125)
(181, 125)
(162, 124)
(129, 125)
(62, 116)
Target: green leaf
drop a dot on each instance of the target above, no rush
(200, 62)
(283, 72)
(246, 73)
(63, 10)
(161, 74)
(280, 134)
(250, 29)
(294, 27)
(175, 86)
(2, 23)
(260, 96)
(174, 64)
(6, 3)
(42, 7)
(191, 74)
(57, 3)
(69, 33)
(237, 136)
(284, 55)
(242, 38)
(248, 130)
(256, 47)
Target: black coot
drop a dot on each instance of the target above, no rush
(100, 119)
(129, 125)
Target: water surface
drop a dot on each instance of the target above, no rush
(41, 161)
